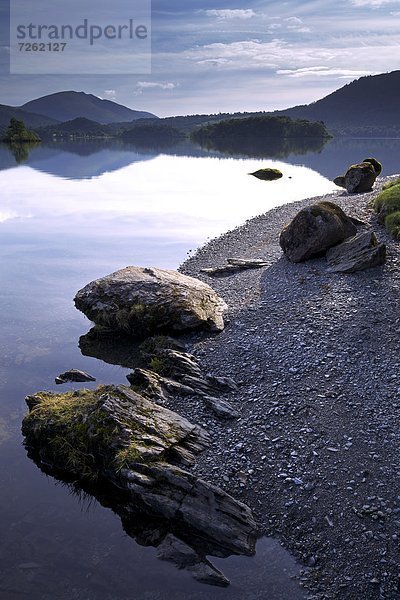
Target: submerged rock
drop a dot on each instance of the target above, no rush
(143, 302)
(267, 174)
(74, 375)
(361, 177)
(112, 434)
(315, 229)
(362, 251)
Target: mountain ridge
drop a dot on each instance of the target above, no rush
(368, 102)
(69, 105)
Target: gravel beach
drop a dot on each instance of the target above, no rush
(315, 452)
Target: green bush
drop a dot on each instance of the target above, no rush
(390, 184)
(388, 201)
(392, 224)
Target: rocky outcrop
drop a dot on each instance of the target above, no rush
(315, 229)
(74, 375)
(142, 302)
(142, 450)
(360, 252)
(267, 174)
(361, 177)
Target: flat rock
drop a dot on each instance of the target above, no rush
(363, 251)
(315, 229)
(234, 265)
(221, 408)
(143, 302)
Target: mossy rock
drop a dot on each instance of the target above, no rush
(377, 166)
(95, 433)
(360, 178)
(267, 174)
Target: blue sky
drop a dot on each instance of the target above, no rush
(233, 56)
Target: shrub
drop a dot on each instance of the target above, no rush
(388, 201)
(392, 224)
(390, 184)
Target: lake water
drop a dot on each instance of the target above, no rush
(68, 215)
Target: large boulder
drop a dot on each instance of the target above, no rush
(142, 302)
(361, 177)
(315, 229)
(114, 439)
(363, 251)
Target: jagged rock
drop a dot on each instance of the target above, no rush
(177, 373)
(142, 302)
(235, 265)
(155, 386)
(74, 375)
(221, 408)
(267, 174)
(361, 177)
(315, 229)
(139, 448)
(362, 251)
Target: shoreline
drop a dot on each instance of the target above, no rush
(316, 362)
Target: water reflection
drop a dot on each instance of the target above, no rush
(267, 148)
(178, 545)
(21, 151)
(111, 347)
(77, 160)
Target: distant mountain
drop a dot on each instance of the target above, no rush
(369, 104)
(31, 120)
(65, 106)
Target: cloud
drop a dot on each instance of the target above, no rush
(372, 3)
(321, 71)
(154, 85)
(225, 14)
(110, 94)
(293, 20)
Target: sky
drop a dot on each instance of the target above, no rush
(227, 56)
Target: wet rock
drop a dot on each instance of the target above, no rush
(363, 251)
(267, 174)
(143, 302)
(114, 435)
(74, 375)
(315, 229)
(361, 177)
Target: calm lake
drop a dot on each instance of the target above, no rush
(72, 213)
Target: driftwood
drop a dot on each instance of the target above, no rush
(234, 265)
